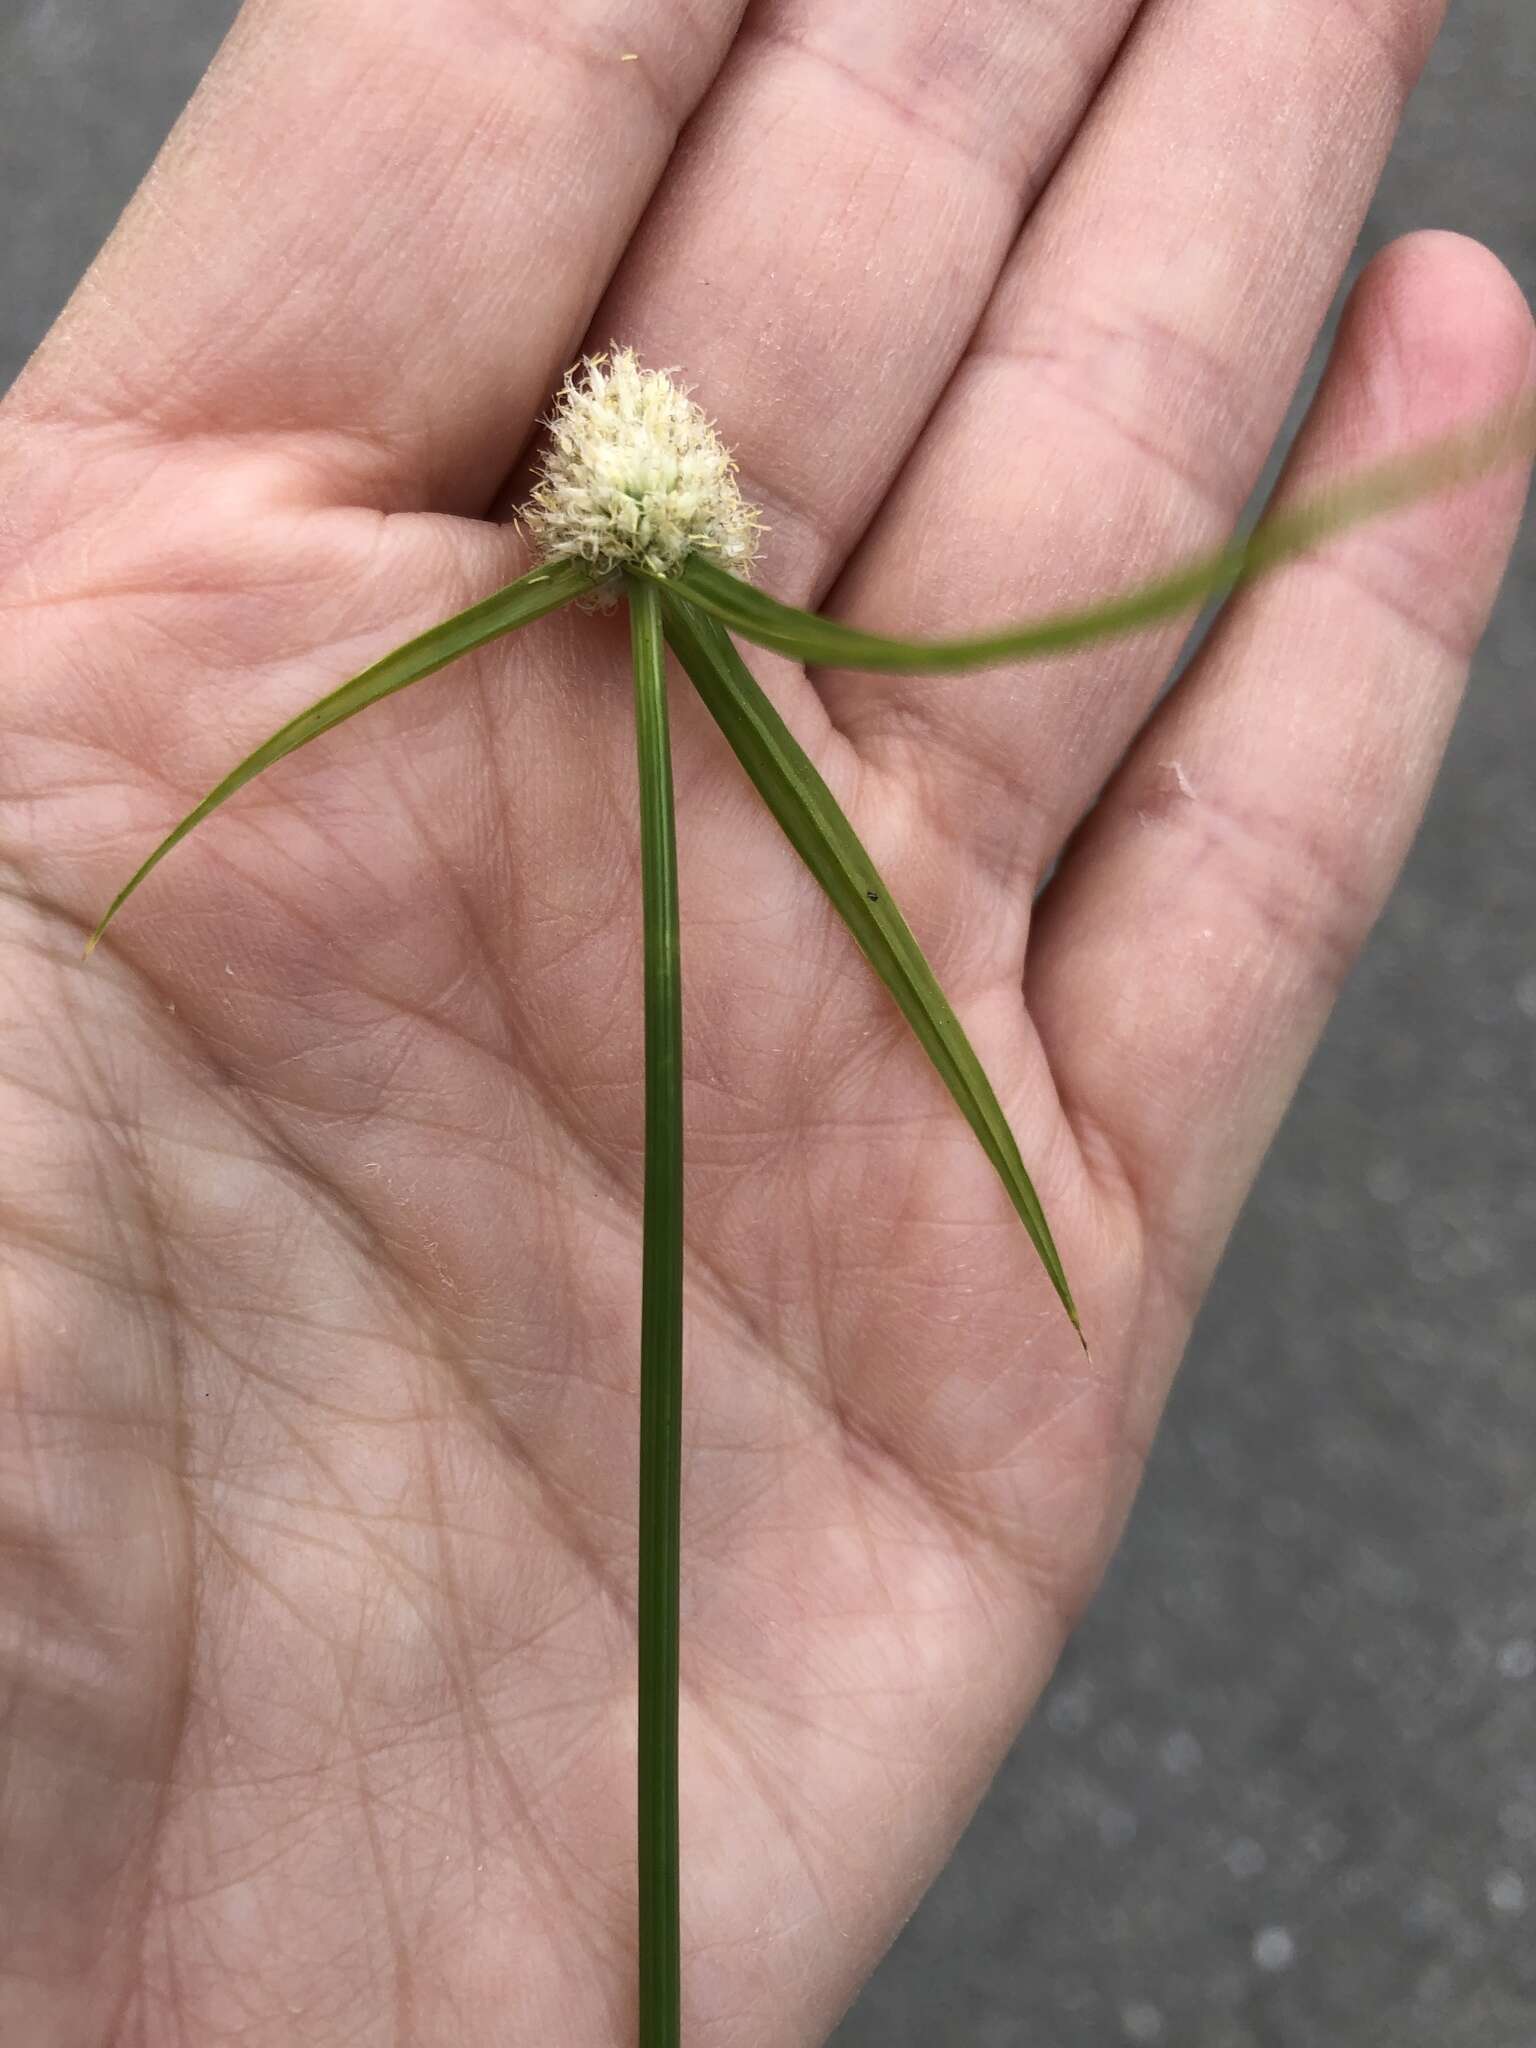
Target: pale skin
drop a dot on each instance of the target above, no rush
(320, 1202)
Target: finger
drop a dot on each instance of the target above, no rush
(1193, 940)
(831, 228)
(1116, 407)
(377, 232)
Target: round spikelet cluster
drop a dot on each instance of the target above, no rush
(636, 477)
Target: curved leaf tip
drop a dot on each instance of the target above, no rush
(530, 597)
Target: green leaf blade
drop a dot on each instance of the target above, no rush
(1281, 537)
(517, 604)
(815, 825)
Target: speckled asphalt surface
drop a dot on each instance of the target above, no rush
(1282, 1793)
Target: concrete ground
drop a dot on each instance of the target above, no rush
(1282, 1793)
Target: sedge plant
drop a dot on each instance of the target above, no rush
(637, 499)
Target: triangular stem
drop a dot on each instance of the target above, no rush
(661, 1345)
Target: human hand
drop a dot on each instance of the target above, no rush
(322, 1215)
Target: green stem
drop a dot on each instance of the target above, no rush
(661, 1343)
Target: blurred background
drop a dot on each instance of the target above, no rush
(1282, 1792)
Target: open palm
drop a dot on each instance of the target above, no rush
(320, 1215)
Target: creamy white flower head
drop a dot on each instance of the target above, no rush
(635, 476)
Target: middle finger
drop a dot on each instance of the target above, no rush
(832, 226)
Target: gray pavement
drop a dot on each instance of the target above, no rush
(1282, 1793)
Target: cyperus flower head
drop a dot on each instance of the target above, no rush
(636, 477)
